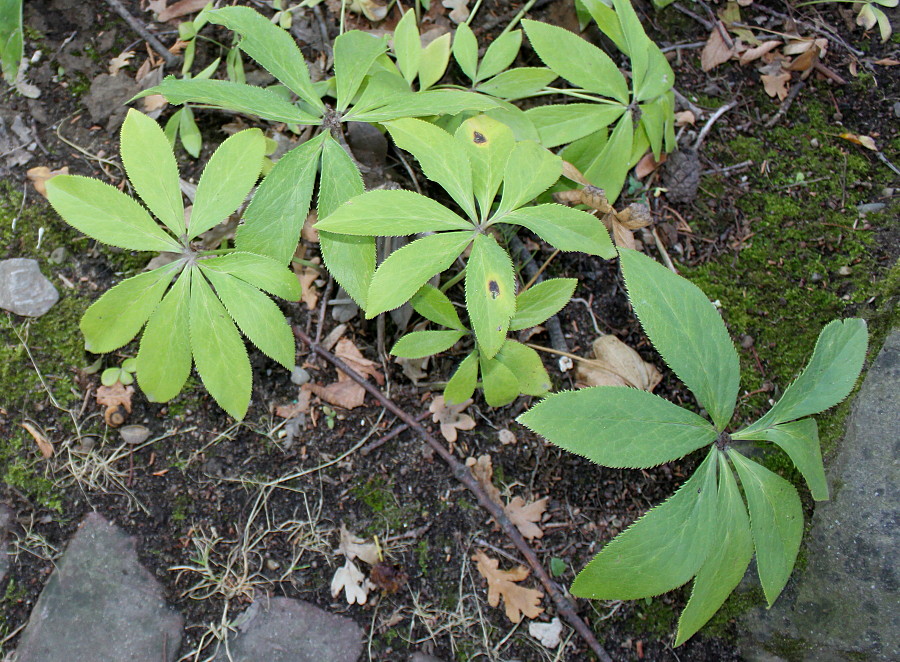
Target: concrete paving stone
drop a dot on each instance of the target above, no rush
(101, 605)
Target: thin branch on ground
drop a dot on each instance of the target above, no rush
(171, 59)
(463, 475)
(712, 120)
(782, 110)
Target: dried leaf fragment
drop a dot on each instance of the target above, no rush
(548, 634)
(460, 10)
(113, 397)
(40, 174)
(451, 417)
(352, 582)
(43, 444)
(776, 85)
(715, 52)
(865, 141)
(517, 600)
(354, 547)
(483, 470)
(616, 364)
(527, 516)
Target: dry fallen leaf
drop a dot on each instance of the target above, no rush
(307, 277)
(350, 579)
(648, 164)
(40, 174)
(548, 634)
(181, 8)
(121, 60)
(483, 470)
(460, 10)
(776, 85)
(517, 600)
(113, 397)
(865, 141)
(414, 369)
(616, 364)
(354, 547)
(527, 516)
(715, 52)
(684, 118)
(43, 444)
(296, 408)
(757, 52)
(342, 393)
(451, 417)
(388, 577)
(350, 354)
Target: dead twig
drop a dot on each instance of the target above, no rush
(782, 110)
(712, 120)
(137, 26)
(381, 441)
(462, 474)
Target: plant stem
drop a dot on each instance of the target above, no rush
(462, 474)
(518, 17)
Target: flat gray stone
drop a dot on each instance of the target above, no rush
(24, 290)
(286, 630)
(845, 605)
(101, 605)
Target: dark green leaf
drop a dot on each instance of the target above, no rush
(611, 167)
(517, 83)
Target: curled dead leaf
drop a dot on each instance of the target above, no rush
(715, 52)
(354, 547)
(352, 582)
(865, 141)
(43, 444)
(616, 364)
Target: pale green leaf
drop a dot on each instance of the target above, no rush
(380, 88)
(516, 119)
(435, 306)
(637, 44)
(732, 549)
(616, 426)
(829, 376)
(800, 440)
(653, 120)
(274, 218)
(116, 317)
(659, 79)
(256, 315)
(442, 157)
(500, 54)
(489, 144)
(408, 46)
(559, 125)
(499, 383)
(465, 51)
(565, 228)
(434, 61)
(150, 164)
(608, 22)
(106, 214)
(273, 48)
(430, 102)
(164, 358)
(11, 38)
(189, 133)
(584, 152)
(611, 167)
(241, 98)
(517, 83)
(660, 551)
(776, 521)
(490, 293)
(229, 175)
(530, 170)
(405, 270)
(686, 330)
(389, 213)
(260, 271)
(462, 384)
(219, 353)
(419, 344)
(527, 366)
(354, 53)
(541, 302)
(576, 60)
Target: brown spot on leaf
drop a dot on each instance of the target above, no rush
(479, 138)
(494, 288)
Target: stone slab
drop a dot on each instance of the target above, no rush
(846, 605)
(24, 290)
(101, 605)
(286, 630)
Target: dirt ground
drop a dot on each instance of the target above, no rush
(779, 242)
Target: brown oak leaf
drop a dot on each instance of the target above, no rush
(483, 470)
(517, 600)
(451, 417)
(527, 516)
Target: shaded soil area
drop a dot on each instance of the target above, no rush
(780, 243)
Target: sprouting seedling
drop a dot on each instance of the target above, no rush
(703, 531)
(123, 374)
(189, 322)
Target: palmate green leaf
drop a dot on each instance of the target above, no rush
(354, 53)
(229, 175)
(260, 271)
(565, 228)
(829, 376)
(350, 260)
(390, 213)
(164, 358)
(611, 167)
(660, 551)
(256, 315)
(576, 60)
(776, 521)
(731, 552)
(800, 440)
(241, 98)
(274, 218)
(620, 427)
(489, 144)
(219, 353)
(106, 214)
(500, 54)
(462, 384)
(465, 51)
(419, 344)
(434, 305)
(442, 157)
(517, 83)
(116, 317)
(499, 383)
(433, 62)
(405, 270)
(686, 330)
(272, 47)
(530, 170)
(527, 366)
(407, 46)
(490, 294)
(562, 124)
(150, 164)
(541, 302)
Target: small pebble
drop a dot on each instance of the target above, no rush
(816, 277)
(887, 192)
(299, 376)
(272, 564)
(58, 256)
(897, 108)
(134, 434)
(845, 271)
(747, 342)
(814, 143)
(87, 444)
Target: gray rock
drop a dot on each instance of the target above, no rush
(870, 208)
(845, 603)
(101, 605)
(6, 521)
(286, 630)
(422, 657)
(59, 255)
(24, 290)
(299, 376)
